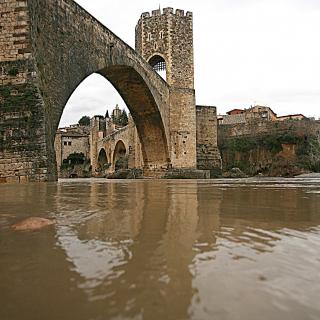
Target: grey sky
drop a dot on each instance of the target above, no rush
(246, 51)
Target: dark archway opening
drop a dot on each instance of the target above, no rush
(159, 65)
(103, 163)
(120, 158)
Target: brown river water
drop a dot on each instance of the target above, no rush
(144, 249)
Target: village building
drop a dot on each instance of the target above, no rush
(235, 111)
(261, 112)
(103, 133)
(71, 140)
(255, 113)
(292, 117)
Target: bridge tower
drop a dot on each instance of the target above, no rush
(165, 40)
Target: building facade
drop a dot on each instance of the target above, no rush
(255, 113)
(71, 140)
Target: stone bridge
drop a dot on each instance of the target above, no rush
(123, 143)
(47, 48)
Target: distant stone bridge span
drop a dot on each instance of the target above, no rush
(47, 48)
(121, 143)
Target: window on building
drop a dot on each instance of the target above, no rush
(161, 34)
(69, 143)
(65, 143)
(149, 36)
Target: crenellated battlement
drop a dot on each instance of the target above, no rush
(166, 11)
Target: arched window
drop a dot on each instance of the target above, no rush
(159, 65)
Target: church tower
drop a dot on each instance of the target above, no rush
(165, 40)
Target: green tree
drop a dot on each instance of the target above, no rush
(84, 121)
(75, 158)
(122, 163)
(72, 160)
(123, 119)
(114, 119)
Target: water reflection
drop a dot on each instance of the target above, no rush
(163, 250)
(135, 254)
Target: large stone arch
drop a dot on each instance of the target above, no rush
(62, 45)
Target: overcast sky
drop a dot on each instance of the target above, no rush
(246, 52)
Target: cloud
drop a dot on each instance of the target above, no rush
(95, 95)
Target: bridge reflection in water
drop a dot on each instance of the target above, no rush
(163, 250)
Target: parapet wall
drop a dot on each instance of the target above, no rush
(166, 11)
(253, 128)
(208, 155)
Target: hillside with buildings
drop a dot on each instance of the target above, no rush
(256, 141)
(73, 143)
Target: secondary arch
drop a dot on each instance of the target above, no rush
(120, 160)
(103, 161)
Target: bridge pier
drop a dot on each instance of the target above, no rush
(183, 140)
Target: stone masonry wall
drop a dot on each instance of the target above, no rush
(252, 128)
(96, 135)
(58, 147)
(208, 155)
(22, 136)
(79, 144)
(183, 128)
(273, 148)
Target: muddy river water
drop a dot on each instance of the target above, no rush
(144, 249)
